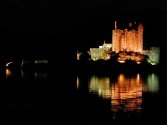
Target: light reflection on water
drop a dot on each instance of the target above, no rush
(25, 75)
(152, 83)
(125, 92)
(9, 73)
(40, 75)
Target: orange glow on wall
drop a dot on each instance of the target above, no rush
(129, 40)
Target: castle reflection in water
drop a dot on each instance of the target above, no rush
(125, 92)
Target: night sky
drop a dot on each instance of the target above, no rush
(97, 21)
(47, 25)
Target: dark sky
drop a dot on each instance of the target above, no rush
(84, 23)
(97, 20)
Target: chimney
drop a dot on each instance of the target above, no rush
(115, 24)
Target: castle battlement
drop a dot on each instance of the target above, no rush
(127, 40)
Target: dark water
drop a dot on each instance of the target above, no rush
(31, 98)
(22, 96)
(122, 97)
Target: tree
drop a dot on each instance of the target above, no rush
(154, 56)
(84, 56)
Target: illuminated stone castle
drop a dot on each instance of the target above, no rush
(128, 39)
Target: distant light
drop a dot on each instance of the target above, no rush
(9, 73)
(41, 61)
(153, 63)
(138, 62)
(9, 63)
(121, 61)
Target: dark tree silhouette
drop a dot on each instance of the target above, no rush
(84, 56)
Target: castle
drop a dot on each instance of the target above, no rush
(127, 44)
(128, 39)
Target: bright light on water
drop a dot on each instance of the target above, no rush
(125, 92)
(77, 82)
(152, 83)
(100, 86)
(9, 73)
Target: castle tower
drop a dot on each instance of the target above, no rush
(127, 39)
(140, 38)
(115, 24)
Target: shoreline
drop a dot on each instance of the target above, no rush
(104, 67)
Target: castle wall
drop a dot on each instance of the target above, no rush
(127, 40)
